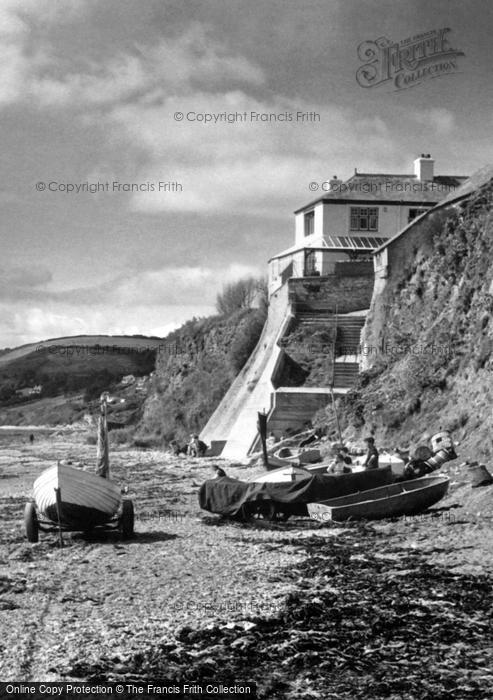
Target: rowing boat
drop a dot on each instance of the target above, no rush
(74, 499)
(404, 498)
(87, 500)
(281, 475)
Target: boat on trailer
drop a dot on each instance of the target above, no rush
(73, 499)
(394, 500)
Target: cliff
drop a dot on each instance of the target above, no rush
(195, 368)
(429, 334)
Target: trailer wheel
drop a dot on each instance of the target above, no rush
(127, 519)
(262, 510)
(31, 522)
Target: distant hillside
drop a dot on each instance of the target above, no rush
(194, 367)
(82, 341)
(69, 367)
(441, 297)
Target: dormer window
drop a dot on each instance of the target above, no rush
(309, 223)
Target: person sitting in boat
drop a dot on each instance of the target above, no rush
(345, 455)
(371, 461)
(271, 441)
(196, 448)
(218, 472)
(339, 466)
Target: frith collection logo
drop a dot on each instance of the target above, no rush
(409, 62)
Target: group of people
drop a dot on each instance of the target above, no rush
(343, 460)
(342, 464)
(195, 448)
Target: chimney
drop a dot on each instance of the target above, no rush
(423, 167)
(335, 184)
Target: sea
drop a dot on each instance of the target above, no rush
(18, 434)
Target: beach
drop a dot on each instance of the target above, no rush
(192, 593)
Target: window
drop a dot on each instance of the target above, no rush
(309, 223)
(310, 264)
(414, 213)
(364, 218)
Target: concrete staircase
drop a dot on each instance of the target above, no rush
(345, 374)
(348, 328)
(232, 429)
(294, 406)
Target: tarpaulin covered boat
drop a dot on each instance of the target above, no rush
(233, 497)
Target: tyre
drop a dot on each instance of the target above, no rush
(31, 523)
(263, 510)
(127, 519)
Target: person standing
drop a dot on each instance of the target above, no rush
(371, 461)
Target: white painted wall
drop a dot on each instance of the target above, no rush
(332, 218)
(300, 238)
(391, 219)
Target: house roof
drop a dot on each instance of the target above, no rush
(317, 244)
(390, 188)
(481, 177)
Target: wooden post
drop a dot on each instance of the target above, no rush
(262, 429)
(334, 343)
(59, 514)
(102, 457)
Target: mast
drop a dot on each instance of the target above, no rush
(102, 459)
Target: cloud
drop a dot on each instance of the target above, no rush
(179, 286)
(23, 282)
(32, 71)
(440, 119)
(151, 302)
(257, 158)
(248, 167)
(20, 62)
(21, 324)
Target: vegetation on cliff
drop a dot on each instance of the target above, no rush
(435, 364)
(199, 362)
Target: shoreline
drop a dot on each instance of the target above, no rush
(42, 428)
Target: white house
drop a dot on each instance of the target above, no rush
(353, 218)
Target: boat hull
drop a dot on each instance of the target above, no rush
(87, 500)
(394, 500)
(281, 475)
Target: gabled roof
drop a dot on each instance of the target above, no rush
(389, 188)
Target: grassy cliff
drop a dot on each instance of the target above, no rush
(433, 328)
(194, 371)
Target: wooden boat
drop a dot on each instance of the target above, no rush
(404, 498)
(87, 500)
(74, 499)
(393, 460)
(281, 475)
(297, 456)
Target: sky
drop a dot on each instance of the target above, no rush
(89, 93)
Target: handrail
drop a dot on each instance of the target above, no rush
(334, 342)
